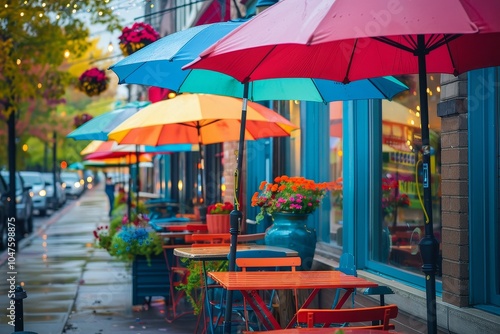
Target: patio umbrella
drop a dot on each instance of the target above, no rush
(199, 119)
(110, 146)
(160, 64)
(345, 40)
(101, 150)
(98, 127)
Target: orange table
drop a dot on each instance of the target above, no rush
(211, 253)
(249, 283)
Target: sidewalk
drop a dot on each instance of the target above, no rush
(73, 287)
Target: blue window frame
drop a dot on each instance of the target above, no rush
(484, 153)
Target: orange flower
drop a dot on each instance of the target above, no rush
(294, 194)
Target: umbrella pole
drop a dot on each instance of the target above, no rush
(429, 246)
(201, 167)
(236, 215)
(129, 194)
(137, 182)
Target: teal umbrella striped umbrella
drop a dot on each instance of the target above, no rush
(99, 127)
(160, 64)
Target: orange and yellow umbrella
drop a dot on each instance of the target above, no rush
(199, 119)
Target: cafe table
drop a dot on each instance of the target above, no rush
(249, 283)
(214, 253)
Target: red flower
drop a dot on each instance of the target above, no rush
(220, 208)
(136, 37)
(93, 81)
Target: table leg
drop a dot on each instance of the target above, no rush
(260, 308)
(207, 299)
(176, 297)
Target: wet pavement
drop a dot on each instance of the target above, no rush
(73, 287)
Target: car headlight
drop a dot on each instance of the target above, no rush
(42, 193)
(82, 182)
(77, 184)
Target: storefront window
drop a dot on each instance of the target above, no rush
(396, 236)
(336, 168)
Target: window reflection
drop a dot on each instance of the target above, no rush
(401, 225)
(336, 172)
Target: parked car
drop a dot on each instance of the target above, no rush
(38, 186)
(60, 198)
(73, 184)
(24, 203)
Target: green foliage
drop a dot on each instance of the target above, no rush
(195, 280)
(133, 240)
(126, 239)
(33, 69)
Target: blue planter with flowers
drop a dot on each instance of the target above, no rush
(290, 230)
(290, 201)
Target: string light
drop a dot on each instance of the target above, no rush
(18, 62)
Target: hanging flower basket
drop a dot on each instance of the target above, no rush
(93, 81)
(79, 120)
(136, 37)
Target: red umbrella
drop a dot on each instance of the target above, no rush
(346, 40)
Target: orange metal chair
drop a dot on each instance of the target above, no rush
(205, 239)
(248, 260)
(326, 317)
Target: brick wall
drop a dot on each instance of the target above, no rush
(455, 187)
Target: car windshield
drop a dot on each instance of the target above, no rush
(32, 179)
(70, 177)
(49, 178)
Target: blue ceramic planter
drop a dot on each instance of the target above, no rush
(290, 230)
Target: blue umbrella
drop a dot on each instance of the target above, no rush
(160, 64)
(99, 127)
(76, 166)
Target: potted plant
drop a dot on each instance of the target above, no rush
(290, 201)
(102, 237)
(218, 217)
(136, 37)
(93, 82)
(135, 238)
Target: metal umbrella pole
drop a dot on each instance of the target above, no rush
(429, 246)
(236, 215)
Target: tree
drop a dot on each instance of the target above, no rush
(35, 38)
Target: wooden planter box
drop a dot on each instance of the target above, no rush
(149, 280)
